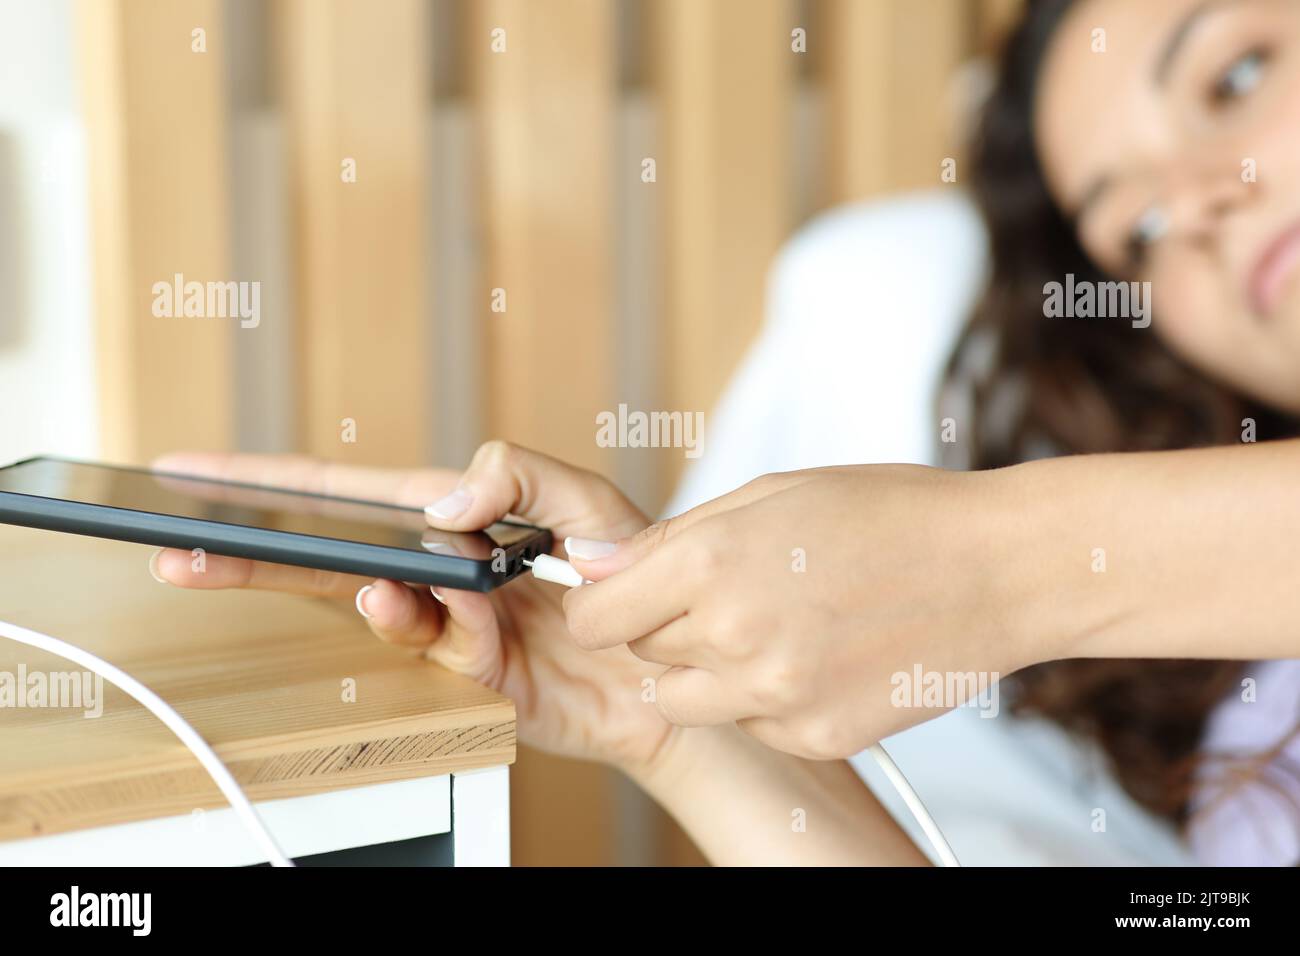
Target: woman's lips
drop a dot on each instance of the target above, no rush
(1269, 279)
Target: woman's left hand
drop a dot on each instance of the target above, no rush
(568, 701)
(806, 605)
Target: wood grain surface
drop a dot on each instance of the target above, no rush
(261, 676)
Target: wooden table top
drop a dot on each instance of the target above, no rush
(261, 676)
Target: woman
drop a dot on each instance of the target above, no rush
(1155, 143)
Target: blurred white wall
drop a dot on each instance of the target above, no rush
(47, 387)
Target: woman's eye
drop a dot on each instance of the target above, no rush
(1240, 78)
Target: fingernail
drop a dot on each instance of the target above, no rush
(588, 549)
(361, 600)
(153, 567)
(436, 596)
(451, 506)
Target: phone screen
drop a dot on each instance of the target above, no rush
(251, 506)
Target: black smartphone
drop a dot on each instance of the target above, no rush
(267, 524)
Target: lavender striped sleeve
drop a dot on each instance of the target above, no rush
(1257, 823)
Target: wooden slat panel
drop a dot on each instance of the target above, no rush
(859, 102)
(545, 109)
(354, 83)
(931, 38)
(155, 117)
(724, 77)
(889, 70)
(546, 126)
(723, 73)
(996, 17)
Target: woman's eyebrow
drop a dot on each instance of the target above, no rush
(1181, 34)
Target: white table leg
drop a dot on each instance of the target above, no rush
(480, 808)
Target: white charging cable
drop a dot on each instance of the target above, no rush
(913, 800)
(163, 711)
(547, 567)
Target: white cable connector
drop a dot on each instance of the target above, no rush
(223, 778)
(547, 567)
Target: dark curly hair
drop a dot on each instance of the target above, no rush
(1035, 387)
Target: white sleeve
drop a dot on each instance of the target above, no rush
(862, 309)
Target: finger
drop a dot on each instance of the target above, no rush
(412, 488)
(504, 479)
(471, 638)
(214, 572)
(693, 697)
(675, 645)
(661, 587)
(399, 614)
(597, 560)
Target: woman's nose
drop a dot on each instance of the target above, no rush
(1196, 203)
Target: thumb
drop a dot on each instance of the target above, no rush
(470, 642)
(505, 479)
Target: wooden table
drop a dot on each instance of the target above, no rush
(341, 740)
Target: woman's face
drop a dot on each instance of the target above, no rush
(1173, 141)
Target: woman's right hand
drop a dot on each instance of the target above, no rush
(568, 700)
